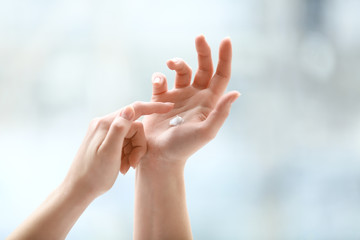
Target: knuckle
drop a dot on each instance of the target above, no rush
(98, 123)
(102, 123)
(118, 126)
(94, 123)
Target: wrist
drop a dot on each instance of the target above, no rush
(160, 201)
(77, 192)
(158, 167)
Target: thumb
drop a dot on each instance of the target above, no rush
(114, 139)
(219, 114)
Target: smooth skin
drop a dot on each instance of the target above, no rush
(112, 143)
(160, 201)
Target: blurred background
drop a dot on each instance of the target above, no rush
(286, 164)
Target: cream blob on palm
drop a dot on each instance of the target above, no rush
(176, 121)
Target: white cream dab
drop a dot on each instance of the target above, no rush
(176, 121)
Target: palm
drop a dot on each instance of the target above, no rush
(190, 105)
(194, 103)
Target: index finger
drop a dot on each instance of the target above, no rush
(147, 108)
(144, 108)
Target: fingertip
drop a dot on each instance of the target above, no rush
(234, 95)
(128, 113)
(228, 98)
(234, 99)
(200, 43)
(200, 37)
(157, 82)
(176, 60)
(226, 42)
(172, 63)
(157, 75)
(124, 170)
(227, 39)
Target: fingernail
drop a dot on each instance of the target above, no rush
(235, 97)
(175, 60)
(127, 113)
(157, 80)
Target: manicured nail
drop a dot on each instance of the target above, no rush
(127, 113)
(157, 80)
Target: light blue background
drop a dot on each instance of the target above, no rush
(286, 164)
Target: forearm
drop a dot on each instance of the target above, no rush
(160, 203)
(56, 216)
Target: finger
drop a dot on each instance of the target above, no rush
(222, 75)
(159, 83)
(127, 147)
(114, 139)
(97, 130)
(147, 108)
(183, 72)
(219, 114)
(124, 167)
(136, 136)
(206, 69)
(143, 108)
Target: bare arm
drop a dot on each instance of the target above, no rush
(112, 143)
(160, 203)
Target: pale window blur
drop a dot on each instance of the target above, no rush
(286, 164)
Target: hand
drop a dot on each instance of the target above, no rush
(201, 104)
(112, 143)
